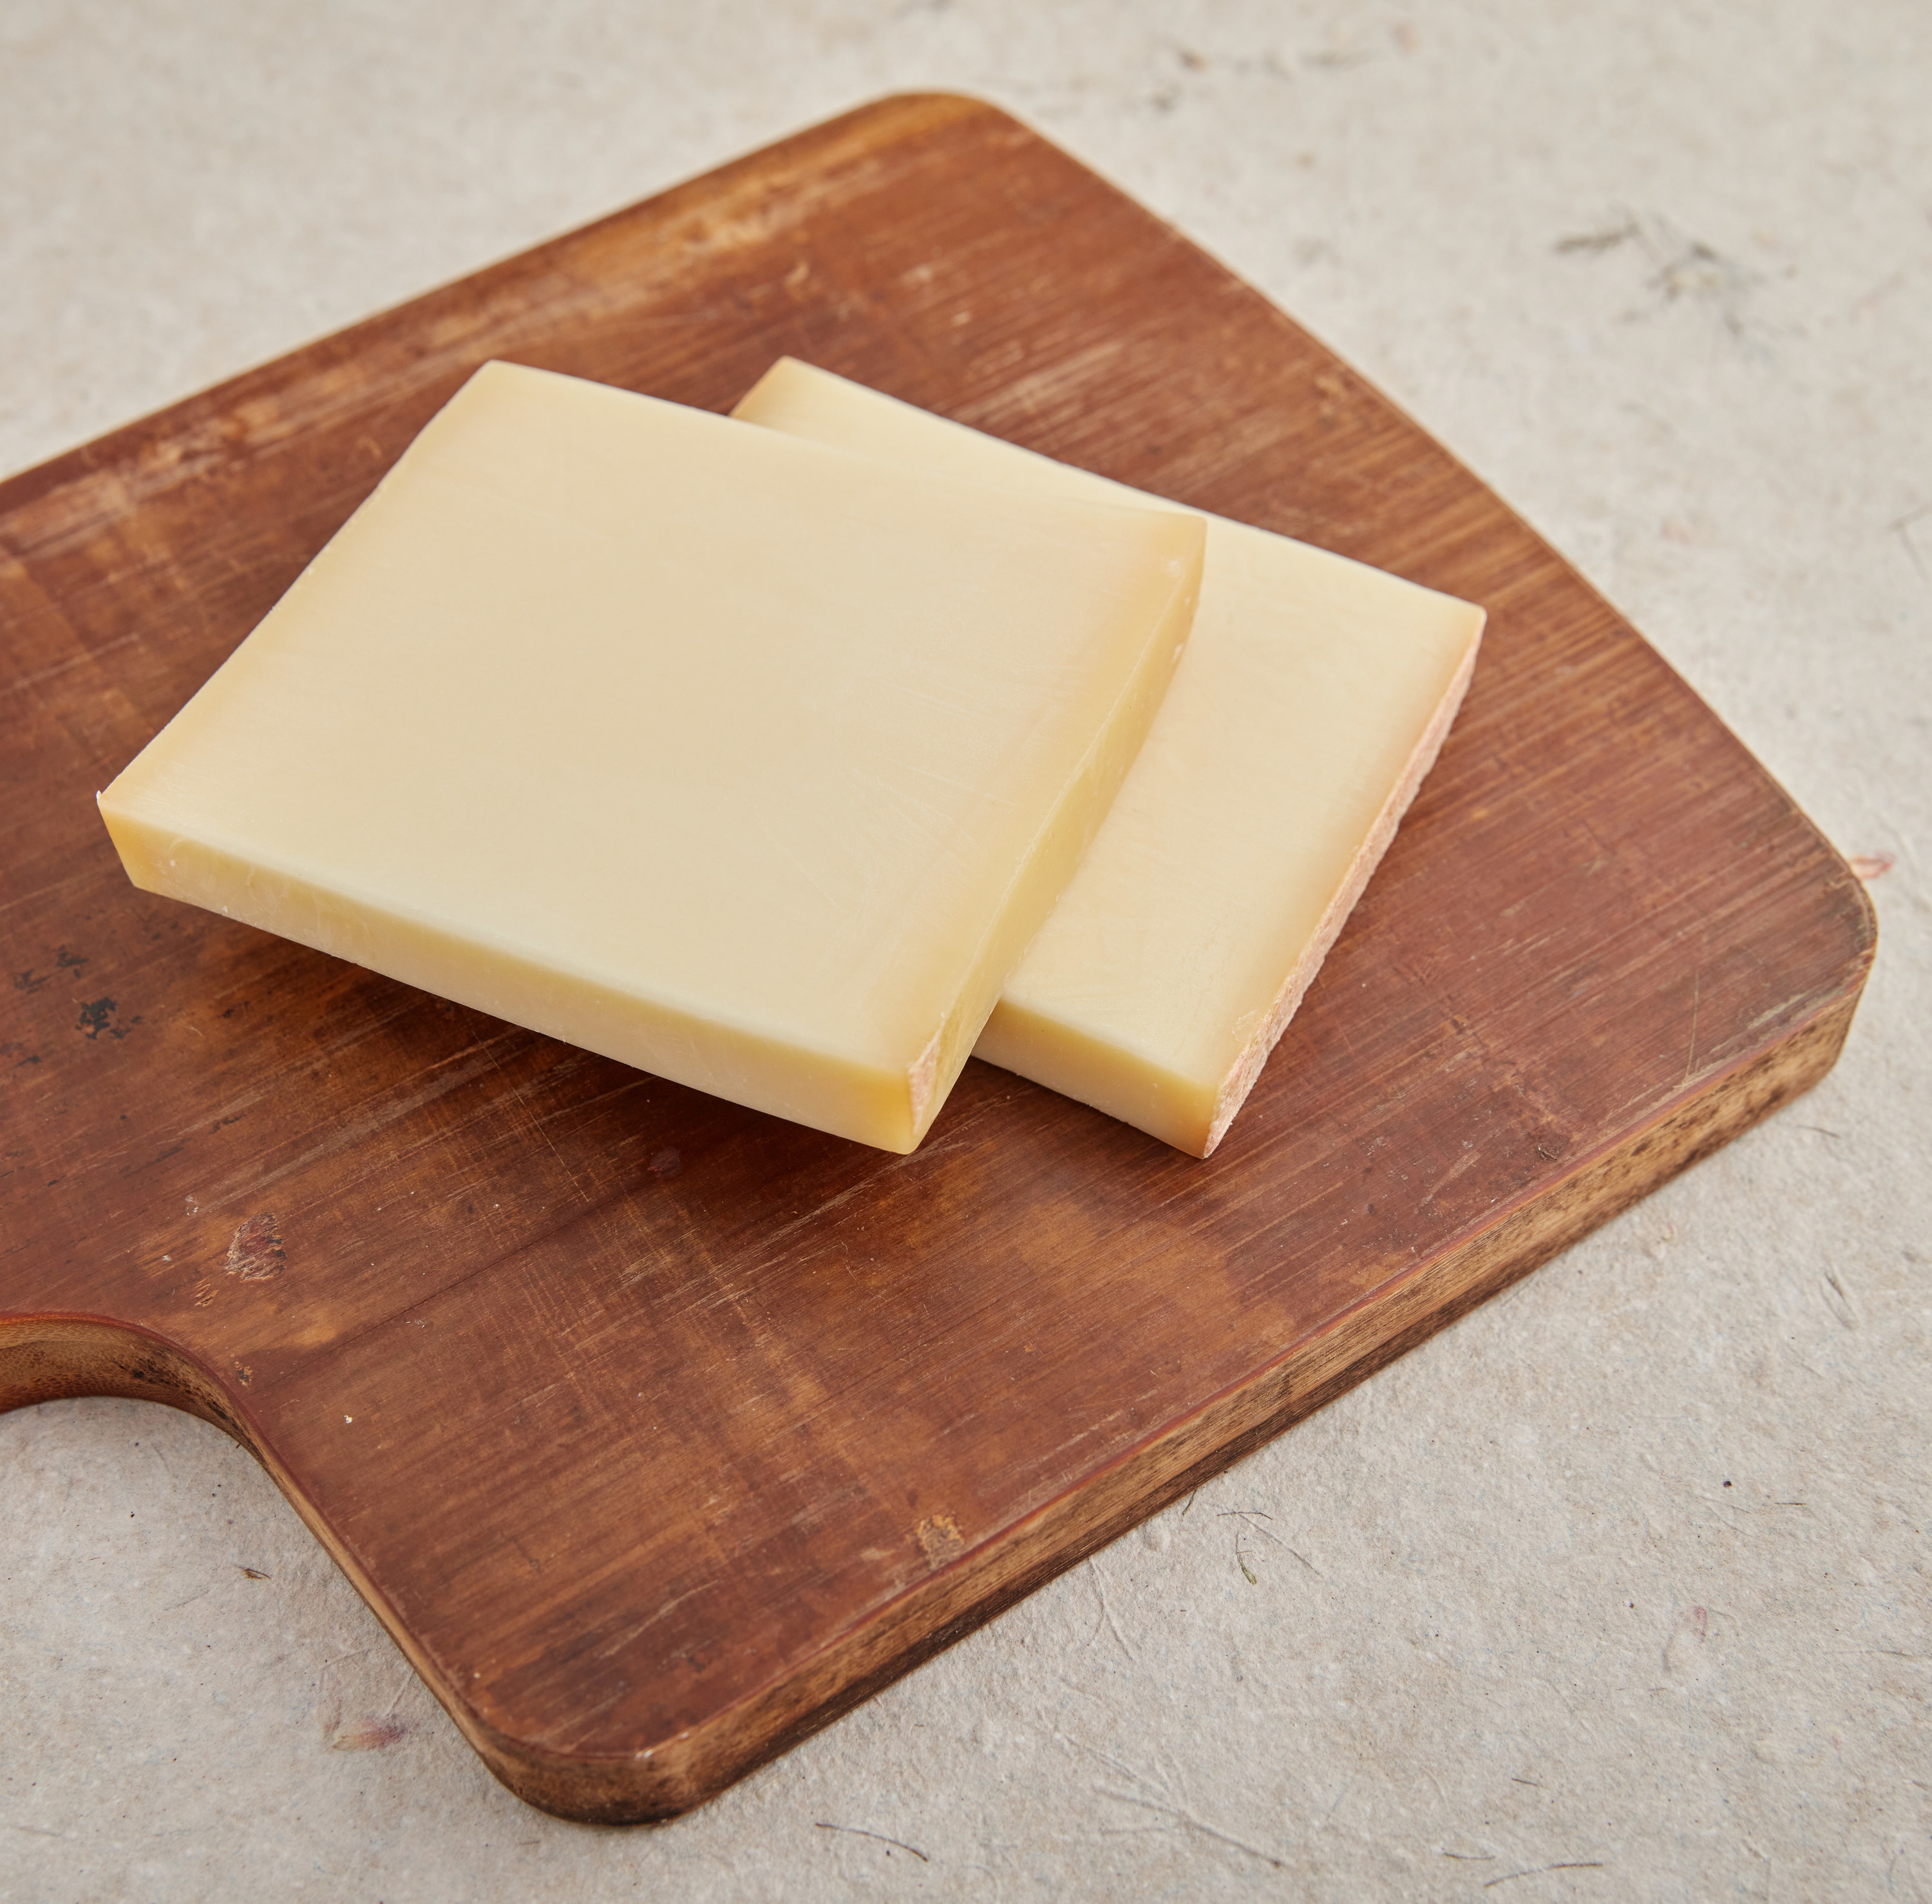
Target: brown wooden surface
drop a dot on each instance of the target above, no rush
(676, 1429)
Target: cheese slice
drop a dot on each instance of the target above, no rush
(1314, 697)
(738, 758)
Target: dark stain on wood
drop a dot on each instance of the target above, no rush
(676, 1430)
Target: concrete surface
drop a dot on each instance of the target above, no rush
(1622, 1589)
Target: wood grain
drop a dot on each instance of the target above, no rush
(658, 1432)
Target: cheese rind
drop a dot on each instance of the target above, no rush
(739, 759)
(1314, 696)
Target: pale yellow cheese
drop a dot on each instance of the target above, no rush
(1314, 696)
(739, 758)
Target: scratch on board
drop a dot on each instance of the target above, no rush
(255, 1252)
(531, 1122)
(347, 1132)
(940, 1539)
(1449, 1176)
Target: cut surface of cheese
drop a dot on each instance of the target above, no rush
(1314, 696)
(740, 759)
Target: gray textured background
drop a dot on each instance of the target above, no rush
(1622, 1589)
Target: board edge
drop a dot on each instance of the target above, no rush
(680, 1773)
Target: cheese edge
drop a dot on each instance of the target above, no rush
(885, 1106)
(1063, 840)
(1110, 1076)
(871, 1105)
(1245, 1071)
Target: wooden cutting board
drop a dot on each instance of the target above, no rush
(658, 1432)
